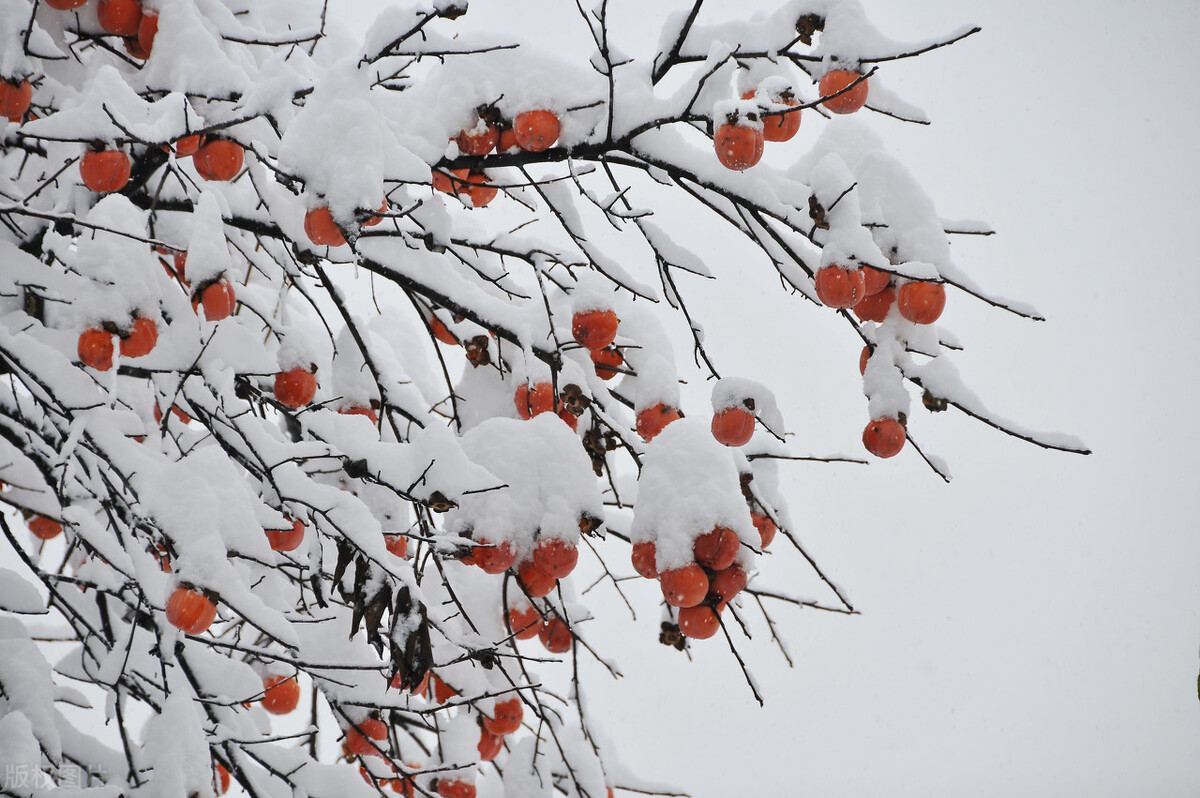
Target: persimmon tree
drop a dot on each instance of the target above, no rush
(325, 363)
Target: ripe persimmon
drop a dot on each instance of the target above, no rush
(218, 159)
(455, 788)
(728, 583)
(489, 745)
(699, 623)
(555, 557)
(64, 5)
(476, 141)
(363, 738)
(15, 97)
(594, 329)
(295, 387)
(921, 302)
(494, 558)
(442, 332)
(654, 419)
(534, 400)
(606, 362)
(133, 46)
(141, 338)
(371, 221)
(104, 171)
(119, 17)
(44, 528)
(524, 623)
(874, 280)
(536, 131)
(684, 587)
(322, 230)
(876, 307)
(442, 692)
(282, 694)
(765, 526)
(217, 299)
(396, 544)
(448, 183)
(738, 146)
(506, 717)
(147, 30)
(835, 81)
(839, 287)
(779, 127)
(96, 348)
(286, 539)
(220, 779)
(863, 357)
(477, 187)
(716, 549)
(733, 426)
(569, 418)
(508, 139)
(884, 437)
(190, 610)
(644, 556)
(537, 583)
(360, 410)
(555, 636)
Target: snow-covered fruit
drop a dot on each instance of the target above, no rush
(95, 348)
(217, 298)
(921, 302)
(506, 717)
(295, 387)
(493, 558)
(765, 526)
(555, 557)
(654, 419)
(738, 146)
(396, 544)
(218, 159)
(875, 307)
(140, 338)
(733, 426)
(607, 362)
(104, 171)
(288, 539)
(884, 437)
(533, 400)
(64, 5)
(594, 329)
(489, 745)
(537, 130)
(190, 610)
(716, 549)
(281, 694)
(699, 622)
(835, 81)
(840, 286)
(684, 587)
(451, 787)
(479, 140)
(780, 126)
(364, 738)
(534, 581)
(644, 557)
(524, 623)
(220, 779)
(44, 528)
(15, 97)
(321, 229)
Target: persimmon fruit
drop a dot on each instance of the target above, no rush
(594, 329)
(217, 299)
(65, 5)
(738, 146)
(44, 528)
(654, 419)
(684, 587)
(884, 437)
(506, 717)
(555, 557)
(524, 623)
(536, 582)
(644, 556)
(119, 17)
(476, 142)
(187, 146)
(321, 229)
(921, 302)
(147, 31)
(363, 738)
(489, 745)
(15, 97)
(396, 544)
(141, 338)
(286, 539)
(105, 171)
(442, 332)
(360, 410)
(765, 526)
(607, 362)
(876, 307)
(838, 79)
(733, 426)
(455, 788)
(728, 583)
(296, 387)
(874, 280)
(536, 131)
(190, 610)
(716, 549)
(477, 187)
(282, 694)
(218, 159)
(839, 287)
(534, 400)
(95, 348)
(494, 558)
(699, 623)
(779, 127)
(555, 636)
(221, 779)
